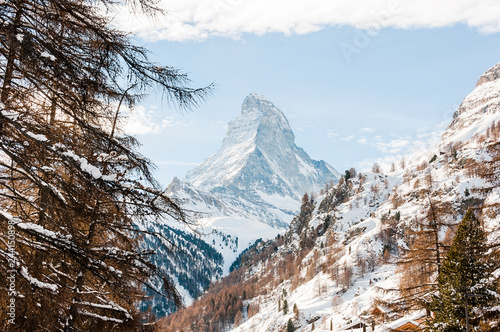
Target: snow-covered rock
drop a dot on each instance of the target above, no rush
(259, 155)
(478, 110)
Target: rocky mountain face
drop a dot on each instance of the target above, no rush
(259, 165)
(259, 155)
(481, 106)
(337, 264)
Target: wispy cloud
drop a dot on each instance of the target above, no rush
(197, 19)
(348, 138)
(396, 148)
(140, 121)
(362, 141)
(393, 146)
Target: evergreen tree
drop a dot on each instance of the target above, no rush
(466, 275)
(289, 326)
(347, 175)
(285, 307)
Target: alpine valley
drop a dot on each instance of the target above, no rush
(348, 257)
(247, 191)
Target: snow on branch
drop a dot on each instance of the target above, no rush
(37, 283)
(111, 306)
(103, 318)
(84, 165)
(44, 232)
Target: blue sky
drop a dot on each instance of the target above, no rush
(394, 92)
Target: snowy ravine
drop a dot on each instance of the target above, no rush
(363, 215)
(248, 190)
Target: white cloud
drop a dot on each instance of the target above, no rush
(197, 19)
(367, 130)
(362, 141)
(348, 138)
(140, 121)
(393, 146)
(400, 147)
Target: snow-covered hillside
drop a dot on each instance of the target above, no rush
(337, 262)
(369, 209)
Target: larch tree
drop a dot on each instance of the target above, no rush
(74, 191)
(466, 282)
(490, 172)
(421, 261)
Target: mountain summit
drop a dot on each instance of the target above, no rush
(259, 158)
(478, 109)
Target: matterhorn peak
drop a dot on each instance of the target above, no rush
(260, 121)
(259, 158)
(259, 104)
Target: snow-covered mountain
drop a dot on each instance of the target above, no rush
(248, 190)
(336, 264)
(259, 175)
(259, 159)
(478, 109)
